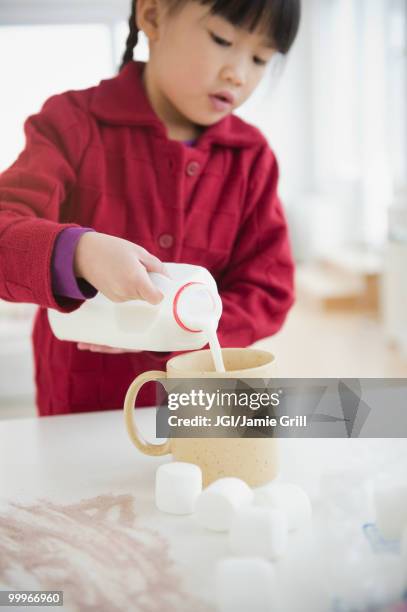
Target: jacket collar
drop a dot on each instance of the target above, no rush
(122, 100)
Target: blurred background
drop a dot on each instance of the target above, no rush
(335, 113)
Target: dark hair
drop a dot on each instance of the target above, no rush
(281, 16)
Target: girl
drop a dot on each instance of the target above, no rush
(150, 166)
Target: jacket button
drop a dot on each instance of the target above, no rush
(193, 168)
(166, 241)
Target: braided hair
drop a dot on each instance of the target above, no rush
(132, 38)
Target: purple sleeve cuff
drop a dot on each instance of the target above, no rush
(64, 282)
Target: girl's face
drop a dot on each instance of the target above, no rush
(196, 59)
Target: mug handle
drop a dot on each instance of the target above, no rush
(135, 436)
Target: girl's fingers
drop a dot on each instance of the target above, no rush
(99, 348)
(144, 287)
(152, 263)
(96, 348)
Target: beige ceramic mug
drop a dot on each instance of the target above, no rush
(251, 459)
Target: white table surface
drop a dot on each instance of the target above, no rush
(66, 459)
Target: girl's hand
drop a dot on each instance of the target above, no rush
(98, 348)
(118, 268)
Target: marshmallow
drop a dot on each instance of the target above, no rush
(390, 500)
(217, 504)
(290, 499)
(177, 487)
(244, 584)
(344, 490)
(257, 531)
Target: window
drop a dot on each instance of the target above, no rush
(53, 46)
(397, 28)
(359, 105)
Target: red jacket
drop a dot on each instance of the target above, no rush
(101, 158)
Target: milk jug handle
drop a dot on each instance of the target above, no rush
(146, 447)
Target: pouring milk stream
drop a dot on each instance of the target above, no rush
(186, 319)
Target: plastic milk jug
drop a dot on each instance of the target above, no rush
(186, 319)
